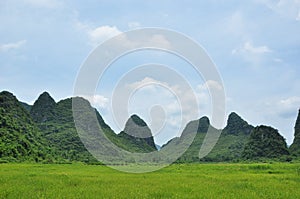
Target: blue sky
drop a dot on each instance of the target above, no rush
(255, 45)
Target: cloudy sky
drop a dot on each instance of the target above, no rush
(255, 45)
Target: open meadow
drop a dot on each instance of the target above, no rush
(277, 180)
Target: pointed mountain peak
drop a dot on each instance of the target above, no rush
(199, 126)
(137, 127)
(137, 120)
(7, 99)
(7, 94)
(43, 108)
(234, 117)
(45, 93)
(45, 97)
(204, 120)
(203, 125)
(235, 125)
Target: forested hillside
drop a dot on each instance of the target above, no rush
(46, 132)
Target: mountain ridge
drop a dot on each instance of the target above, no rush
(20, 138)
(60, 130)
(265, 142)
(55, 123)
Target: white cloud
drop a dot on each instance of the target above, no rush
(210, 84)
(159, 40)
(97, 35)
(239, 26)
(144, 82)
(290, 102)
(178, 102)
(186, 96)
(256, 55)
(284, 108)
(102, 33)
(248, 47)
(257, 50)
(156, 40)
(12, 46)
(97, 101)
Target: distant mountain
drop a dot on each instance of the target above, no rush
(200, 127)
(236, 125)
(46, 131)
(232, 140)
(295, 147)
(229, 146)
(20, 138)
(57, 125)
(43, 109)
(265, 142)
(137, 136)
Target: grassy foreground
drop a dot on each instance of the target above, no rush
(278, 180)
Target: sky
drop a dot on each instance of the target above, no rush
(255, 45)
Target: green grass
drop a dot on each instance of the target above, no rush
(278, 180)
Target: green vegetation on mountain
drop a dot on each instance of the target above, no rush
(20, 139)
(46, 131)
(295, 147)
(137, 136)
(265, 142)
(229, 146)
(232, 140)
(43, 108)
(200, 127)
(57, 125)
(236, 125)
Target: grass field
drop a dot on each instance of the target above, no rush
(278, 180)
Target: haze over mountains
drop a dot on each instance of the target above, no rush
(46, 132)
